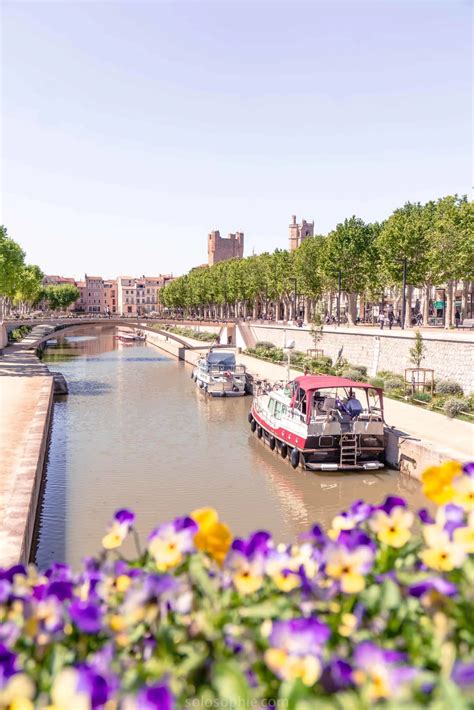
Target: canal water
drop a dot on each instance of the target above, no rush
(135, 432)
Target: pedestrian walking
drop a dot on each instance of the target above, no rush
(457, 318)
(390, 319)
(381, 320)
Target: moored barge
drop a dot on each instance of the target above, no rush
(322, 423)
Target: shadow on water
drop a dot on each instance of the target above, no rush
(51, 515)
(88, 388)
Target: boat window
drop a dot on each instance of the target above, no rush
(271, 405)
(300, 401)
(284, 410)
(278, 409)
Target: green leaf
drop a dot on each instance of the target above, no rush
(201, 578)
(231, 684)
(390, 597)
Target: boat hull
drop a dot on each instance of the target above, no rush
(312, 457)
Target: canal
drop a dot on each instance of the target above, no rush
(135, 432)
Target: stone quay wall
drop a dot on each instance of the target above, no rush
(450, 357)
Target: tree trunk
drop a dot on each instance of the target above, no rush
(351, 307)
(449, 305)
(409, 296)
(426, 303)
(465, 286)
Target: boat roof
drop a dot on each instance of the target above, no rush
(317, 382)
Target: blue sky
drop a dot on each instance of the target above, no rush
(131, 129)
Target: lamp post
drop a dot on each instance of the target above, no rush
(404, 296)
(294, 298)
(339, 286)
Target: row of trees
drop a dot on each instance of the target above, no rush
(437, 240)
(21, 284)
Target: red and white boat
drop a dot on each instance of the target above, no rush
(322, 423)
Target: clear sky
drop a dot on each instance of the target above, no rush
(131, 129)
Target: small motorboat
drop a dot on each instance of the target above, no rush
(218, 375)
(322, 423)
(125, 337)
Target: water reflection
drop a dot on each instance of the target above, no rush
(135, 431)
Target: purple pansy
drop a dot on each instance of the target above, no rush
(154, 697)
(182, 530)
(300, 637)
(383, 669)
(337, 675)
(351, 539)
(468, 468)
(96, 685)
(426, 517)
(392, 502)
(86, 616)
(256, 544)
(7, 664)
(463, 674)
(436, 584)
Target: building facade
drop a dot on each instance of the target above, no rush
(223, 248)
(299, 232)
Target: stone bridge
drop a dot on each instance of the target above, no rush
(47, 328)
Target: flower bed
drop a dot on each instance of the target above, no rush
(369, 613)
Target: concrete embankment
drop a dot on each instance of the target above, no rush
(26, 402)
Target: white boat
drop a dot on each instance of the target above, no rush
(126, 337)
(322, 423)
(218, 374)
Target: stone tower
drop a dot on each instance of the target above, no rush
(222, 248)
(299, 232)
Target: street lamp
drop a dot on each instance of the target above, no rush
(339, 286)
(404, 297)
(294, 298)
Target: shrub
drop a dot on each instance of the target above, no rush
(448, 387)
(393, 383)
(14, 336)
(454, 406)
(470, 402)
(355, 375)
(320, 365)
(361, 368)
(422, 397)
(385, 374)
(376, 381)
(264, 344)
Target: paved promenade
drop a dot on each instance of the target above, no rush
(26, 390)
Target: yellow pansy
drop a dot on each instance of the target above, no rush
(393, 529)
(339, 523)
(307, 668)
(464, 492)
(246, 582)
(348, 567)
(464, 537)
(441, 554)
(166, 553)
(213, 536)
(437, 481)
(17, 693)
(348, 624)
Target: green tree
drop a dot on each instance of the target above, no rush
(406, 234)
(61, 296)
(12, 259)
(351, 251)
(29, 288)
(451, 239)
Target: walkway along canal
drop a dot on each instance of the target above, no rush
(134, 431)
